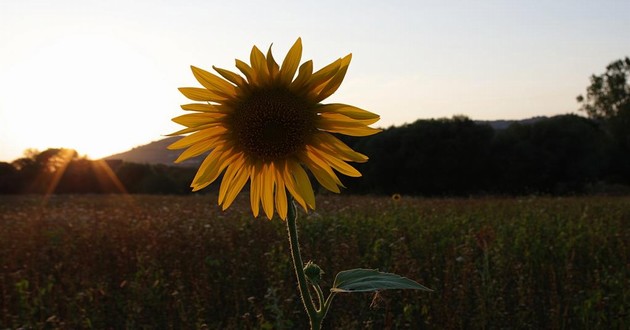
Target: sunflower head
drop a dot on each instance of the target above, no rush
(267, 126)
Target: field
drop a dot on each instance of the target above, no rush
(170, 262)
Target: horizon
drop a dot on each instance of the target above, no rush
(102, 78)
(157, 140)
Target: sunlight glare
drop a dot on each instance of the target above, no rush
(86, 92)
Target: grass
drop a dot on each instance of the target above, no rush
(172, 262)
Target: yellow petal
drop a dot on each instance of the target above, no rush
(322, 177)
(201, 94)
(281, 196)
(323, 75)
(231, 76)
(303, 184)
(236, 186)
(291, 185)
(272, 66)
(268, 182)
(338, 123)
(304, 74)
(349, 111)
(191, 139)
(291, 62)
(203, 107)
(255, 186)
(338, 164)
(193, 129)
(309, 157)
(335, 81)
(197, 149)
(336, 147)
(213, 82)
(218, 162)
(210, 160)
(246, 70)
(198, 119)
(228, 177)
(259, 65)
(197, 187)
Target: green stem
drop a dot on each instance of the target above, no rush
(305, 294)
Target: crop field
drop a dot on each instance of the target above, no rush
(178, 262)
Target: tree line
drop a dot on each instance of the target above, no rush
(565, 154)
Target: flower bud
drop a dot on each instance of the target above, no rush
(313, 272)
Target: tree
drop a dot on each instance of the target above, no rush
(608, 100)
(608, 95)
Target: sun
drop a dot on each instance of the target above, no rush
(82, 92)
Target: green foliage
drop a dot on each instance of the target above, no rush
(178, 262)
(371, 280)
(608, 95)
(561, 155)
(608, 101)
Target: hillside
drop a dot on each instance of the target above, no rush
(155, 153)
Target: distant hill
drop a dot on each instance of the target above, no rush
(503, 124)
(156, 153)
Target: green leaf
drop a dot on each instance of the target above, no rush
(369, 280)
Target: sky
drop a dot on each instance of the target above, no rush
(101, 76)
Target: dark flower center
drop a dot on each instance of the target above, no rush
(272, 124)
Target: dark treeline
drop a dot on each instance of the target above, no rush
(63, 171)
(565, 154)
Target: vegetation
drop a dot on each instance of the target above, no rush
(168, 262)
(607, 101)
(565, 154)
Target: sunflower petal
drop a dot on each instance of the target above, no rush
(304, 74)
(259, 64)
(268, 181)
(197, 149)
(338, 164)
(303, 184)
(213, 82)
(310, 157)
(198, 119)
(349, 111)
(194, 129)
(231, 174)
(201, 94)
(291, 62)
(335, 81)
(281, 196)
(322, 177)
(337, 123)
(230, 76)
(272, 65)
(291, 185)
(228, 178)
(323, 75)
(246, 70)
(210, 160)
(236, 186)
(202, 107)
(255, 185)
(328, 141)
(191, 139)
(214, 167)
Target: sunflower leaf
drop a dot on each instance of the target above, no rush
(369, 280)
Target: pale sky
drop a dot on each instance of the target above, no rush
(102, 76)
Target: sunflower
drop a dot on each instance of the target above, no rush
(268, 126)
